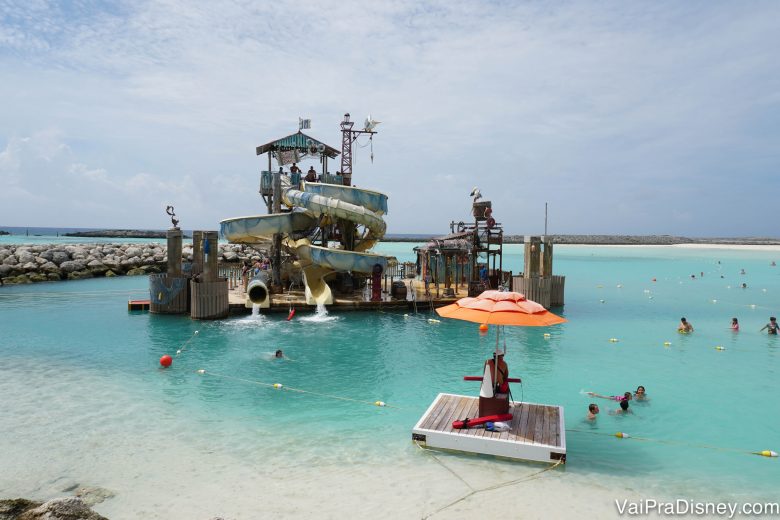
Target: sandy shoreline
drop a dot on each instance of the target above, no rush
(732, 247)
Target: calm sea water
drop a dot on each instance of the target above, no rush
(83, 395)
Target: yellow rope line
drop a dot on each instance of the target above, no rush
(473, 491)
(280, 386)
(430, 452)
(671, 442)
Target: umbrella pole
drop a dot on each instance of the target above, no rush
(495, 360)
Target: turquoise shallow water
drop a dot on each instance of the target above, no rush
(72, 355)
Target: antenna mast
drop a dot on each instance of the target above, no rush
(349, 136)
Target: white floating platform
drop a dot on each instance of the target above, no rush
(537, 430)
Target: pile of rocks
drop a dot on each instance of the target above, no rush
(41, 263)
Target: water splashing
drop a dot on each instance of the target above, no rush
(320, 315)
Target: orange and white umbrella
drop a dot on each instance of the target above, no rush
(500, 308)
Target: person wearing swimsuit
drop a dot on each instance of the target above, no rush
(771, 327)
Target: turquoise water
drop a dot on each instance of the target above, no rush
(72, 355)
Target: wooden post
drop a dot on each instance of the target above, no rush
(547, 258)
(197, 257)
(532, 256)
(210, 256)
(270, 199)
(174, 252)
(277, 245)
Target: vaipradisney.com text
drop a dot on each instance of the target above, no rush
(682, 506)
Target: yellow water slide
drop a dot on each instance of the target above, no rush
(309, 205)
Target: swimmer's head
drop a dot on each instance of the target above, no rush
(682, 320)
(640, 390)
(627, 396)
(734, 320)
(279, 353)
(593, 408)
(624, 405)
(772, 318)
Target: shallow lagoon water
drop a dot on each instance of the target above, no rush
(85, 402)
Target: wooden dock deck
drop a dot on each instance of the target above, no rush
(536, 432)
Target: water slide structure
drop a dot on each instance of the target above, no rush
(328, 228)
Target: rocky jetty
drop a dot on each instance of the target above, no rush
(4, 232)
(41, 263)
(70, 508)
(119, 233)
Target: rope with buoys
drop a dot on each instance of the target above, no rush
(280, 386)
(184, 346)
(624, 435)
(532, 476)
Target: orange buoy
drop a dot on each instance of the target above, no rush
(483, 328)
(290, 316)
(166, 360)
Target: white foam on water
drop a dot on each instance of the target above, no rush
(320, 315)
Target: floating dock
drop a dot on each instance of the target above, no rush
(536, 432)
(138, 305)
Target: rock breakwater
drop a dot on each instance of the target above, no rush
(42, 263)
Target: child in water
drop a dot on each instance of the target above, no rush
(685, 326)
(771, 327)
(593, 410)
(623, 409)
(640, 394)
(625, 397)
(734, 325)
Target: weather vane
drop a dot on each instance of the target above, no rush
(174, 220)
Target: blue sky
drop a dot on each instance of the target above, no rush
(626, 117)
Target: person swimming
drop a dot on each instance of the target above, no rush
(771, 327)
(625, 397)
(279, 354)
(734, 325)
(593, 411)
(623, 409)
(640, 394)
(685, 326)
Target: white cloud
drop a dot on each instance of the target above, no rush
(657, 106)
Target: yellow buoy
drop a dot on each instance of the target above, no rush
(278, 385)
(767, 453)
(380, 403)
(621, 435)
(432, 320)
(613, 340)
(547, 335)
(718, 347)
(201, 371)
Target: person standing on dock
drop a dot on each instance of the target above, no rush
(294, 168)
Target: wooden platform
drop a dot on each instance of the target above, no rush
(537, 430)
(138, 305)
(296, 298)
